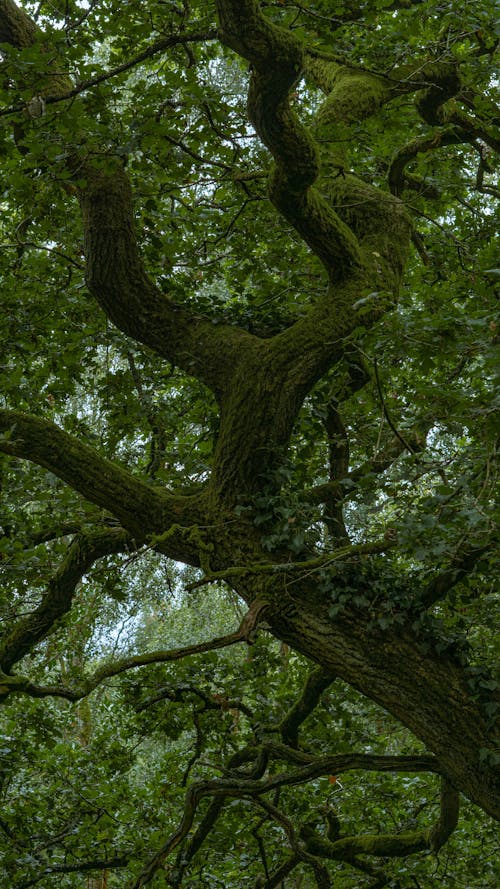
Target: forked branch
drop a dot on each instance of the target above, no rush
(246, 788)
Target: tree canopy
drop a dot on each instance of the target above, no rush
(247, 443)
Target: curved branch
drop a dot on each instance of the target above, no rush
(472, 127)
(436, 107)
(352, 93)
(354, 13)
(239, 788)
(139, 507)
(277, 60)
(59, 597)
(323, 561)
(406, 445)
(118, 280)
(316, 766)
(206, 824)
(316, 683)
(484, 167)
(114, 270)
(443, 82)
(409, 152)
(196, 841)
(391, 845)
(82, 553)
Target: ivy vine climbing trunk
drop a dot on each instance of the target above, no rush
(281, 523)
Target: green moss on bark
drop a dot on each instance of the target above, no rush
(351, 95)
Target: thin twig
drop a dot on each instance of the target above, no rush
(387, 415)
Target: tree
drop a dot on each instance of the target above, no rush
(248, 276)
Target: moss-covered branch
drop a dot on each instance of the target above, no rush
(139, 507)
(340, 763)
(16, 27)
(118, 280)
(323, 561)
(390, 845)
(277, 60)
(241, 788)
(114, 269)
(397, 178)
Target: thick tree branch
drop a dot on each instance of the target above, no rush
(348, 486)
(256, 424)
(114, 269)
(352, 93)
(16, 27)
(437, 106)
(473, 127)
(316, 766)
(404, 155)
(139, 507)
(277, 60)
(117, 279)
(276, 568)
(384, 665)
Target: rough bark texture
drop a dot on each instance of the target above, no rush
(361, 235)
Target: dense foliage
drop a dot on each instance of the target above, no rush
(247, 444)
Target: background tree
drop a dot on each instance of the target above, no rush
(248, 280)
